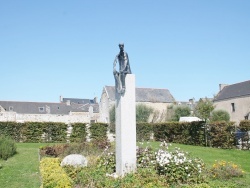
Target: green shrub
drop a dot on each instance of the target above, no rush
(225, 170)
(7, 147)
(220, 115)
(220, 135)
(178, 167)
(143, 131)
(78, 132)
(98, 131)
(53, 175)
(143, 112)
(181, 111)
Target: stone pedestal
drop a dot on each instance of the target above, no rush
(126, 128)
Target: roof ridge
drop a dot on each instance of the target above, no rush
(32, 102)
(238, 83)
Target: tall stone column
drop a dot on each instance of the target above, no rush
(126, 128)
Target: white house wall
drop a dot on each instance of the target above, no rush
(242, 107)
(82, 117)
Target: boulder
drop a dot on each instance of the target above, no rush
(75, 160)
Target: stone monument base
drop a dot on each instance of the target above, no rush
(126, 128)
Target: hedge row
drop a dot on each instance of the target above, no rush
(218, 134)
(50, 131)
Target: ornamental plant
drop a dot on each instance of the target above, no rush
(175, 166)
(7, 147)
(53, 175)
(178, 167)
(225, 170)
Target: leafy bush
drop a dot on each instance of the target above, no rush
(220, 115)
(98, 131)
(53, 175)
(181, 111)
(143, 112)
(178, 167)
(220, 135)
(145, 157)
(54, 150)
(78, 132)
(143, 131)
(225, 170)
(7, 147)
(107, 161)
(175, 166)
(143, 177)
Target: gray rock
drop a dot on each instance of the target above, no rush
(75, 160)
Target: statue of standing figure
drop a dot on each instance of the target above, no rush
(124, 69)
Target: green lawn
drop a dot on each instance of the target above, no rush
(21, 170)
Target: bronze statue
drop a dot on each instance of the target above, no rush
(124, 69)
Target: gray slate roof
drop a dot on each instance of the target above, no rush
(234, 91)
(145, 95)
(49, 108)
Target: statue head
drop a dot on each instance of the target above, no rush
(121, 46)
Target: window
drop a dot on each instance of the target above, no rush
(41, 109)
(233, 107)
(11, 108)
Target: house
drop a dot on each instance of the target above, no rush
(235, 99)
(71, 111)
(158, 99)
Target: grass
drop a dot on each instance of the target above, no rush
(21, 170)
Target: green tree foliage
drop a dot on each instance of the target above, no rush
(220, 115)
(112, 119)
(204, 108)
(180, 111)
(7, 147)
(143, 112)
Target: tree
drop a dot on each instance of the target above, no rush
(143, 112)
(180, 111)
(203, 110)
(220, 115)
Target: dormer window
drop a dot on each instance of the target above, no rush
(41, 109)
(11, 108)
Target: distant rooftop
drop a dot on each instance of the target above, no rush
(48, 108)
(233, 91)
(146, 95)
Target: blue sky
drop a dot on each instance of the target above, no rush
(52, 48)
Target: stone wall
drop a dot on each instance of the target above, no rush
(79, 117)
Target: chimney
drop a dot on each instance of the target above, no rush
(221, 86)
(95, 100)
(61, 98)
(68, 102)
(191, 101)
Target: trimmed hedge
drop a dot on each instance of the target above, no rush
(78, 132)
(143, 131)
(98, 131)
(244, 128)
(221, 135)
